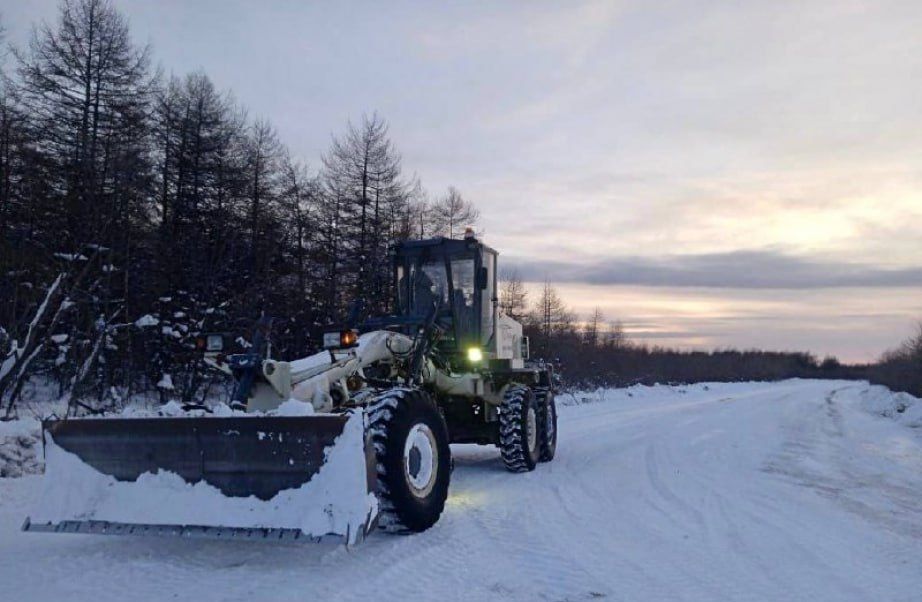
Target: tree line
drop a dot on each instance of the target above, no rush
(900, 368)
(137, 210)
(595, 352)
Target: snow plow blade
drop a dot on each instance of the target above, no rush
(291, 478)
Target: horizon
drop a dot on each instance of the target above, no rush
(707, 185)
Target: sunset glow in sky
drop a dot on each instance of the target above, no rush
(710, 173)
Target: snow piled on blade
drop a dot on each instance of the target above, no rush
(336, 501)
(294, 407)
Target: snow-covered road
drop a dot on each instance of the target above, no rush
(783, 491)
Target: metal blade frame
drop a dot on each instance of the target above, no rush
(269, 535)
(241, 456)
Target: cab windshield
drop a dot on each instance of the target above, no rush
(422, 286)
(450, 284)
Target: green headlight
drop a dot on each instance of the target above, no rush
(474, 354)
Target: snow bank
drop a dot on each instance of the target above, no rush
(20, 447)
(902, 407)
(876, 399)
(657, 391)
(335, 501)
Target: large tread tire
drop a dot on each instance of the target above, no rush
(392, 418)
(547, 421)
(518, 444)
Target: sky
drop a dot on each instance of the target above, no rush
(711, 174)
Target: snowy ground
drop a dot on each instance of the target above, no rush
(799, 490)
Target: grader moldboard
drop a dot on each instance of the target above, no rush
(328, 447)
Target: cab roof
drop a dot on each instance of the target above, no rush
(449, 245)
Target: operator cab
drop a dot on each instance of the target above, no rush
(458, 277)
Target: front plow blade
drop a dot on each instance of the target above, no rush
(305, 478)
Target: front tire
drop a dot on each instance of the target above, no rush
(547, 421)
(413, 459)
(518, 429)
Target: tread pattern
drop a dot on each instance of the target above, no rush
(380, 412)
(512, 429)
(543, 397)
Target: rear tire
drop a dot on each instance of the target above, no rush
(547, 421)
(413, 459)
(518, 429)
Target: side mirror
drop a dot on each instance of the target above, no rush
(482, 277)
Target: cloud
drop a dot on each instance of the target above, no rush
(749, 269)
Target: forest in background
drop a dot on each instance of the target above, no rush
(595, 352)
(138, 210)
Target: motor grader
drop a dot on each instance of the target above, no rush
(329, 446)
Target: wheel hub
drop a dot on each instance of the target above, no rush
(415, 462)
(420, 460)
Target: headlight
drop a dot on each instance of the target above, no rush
(340, 339)
(474, 354)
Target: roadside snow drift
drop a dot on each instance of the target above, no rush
(335, 501)
(902, 407)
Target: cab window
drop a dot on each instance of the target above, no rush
(464, 289)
